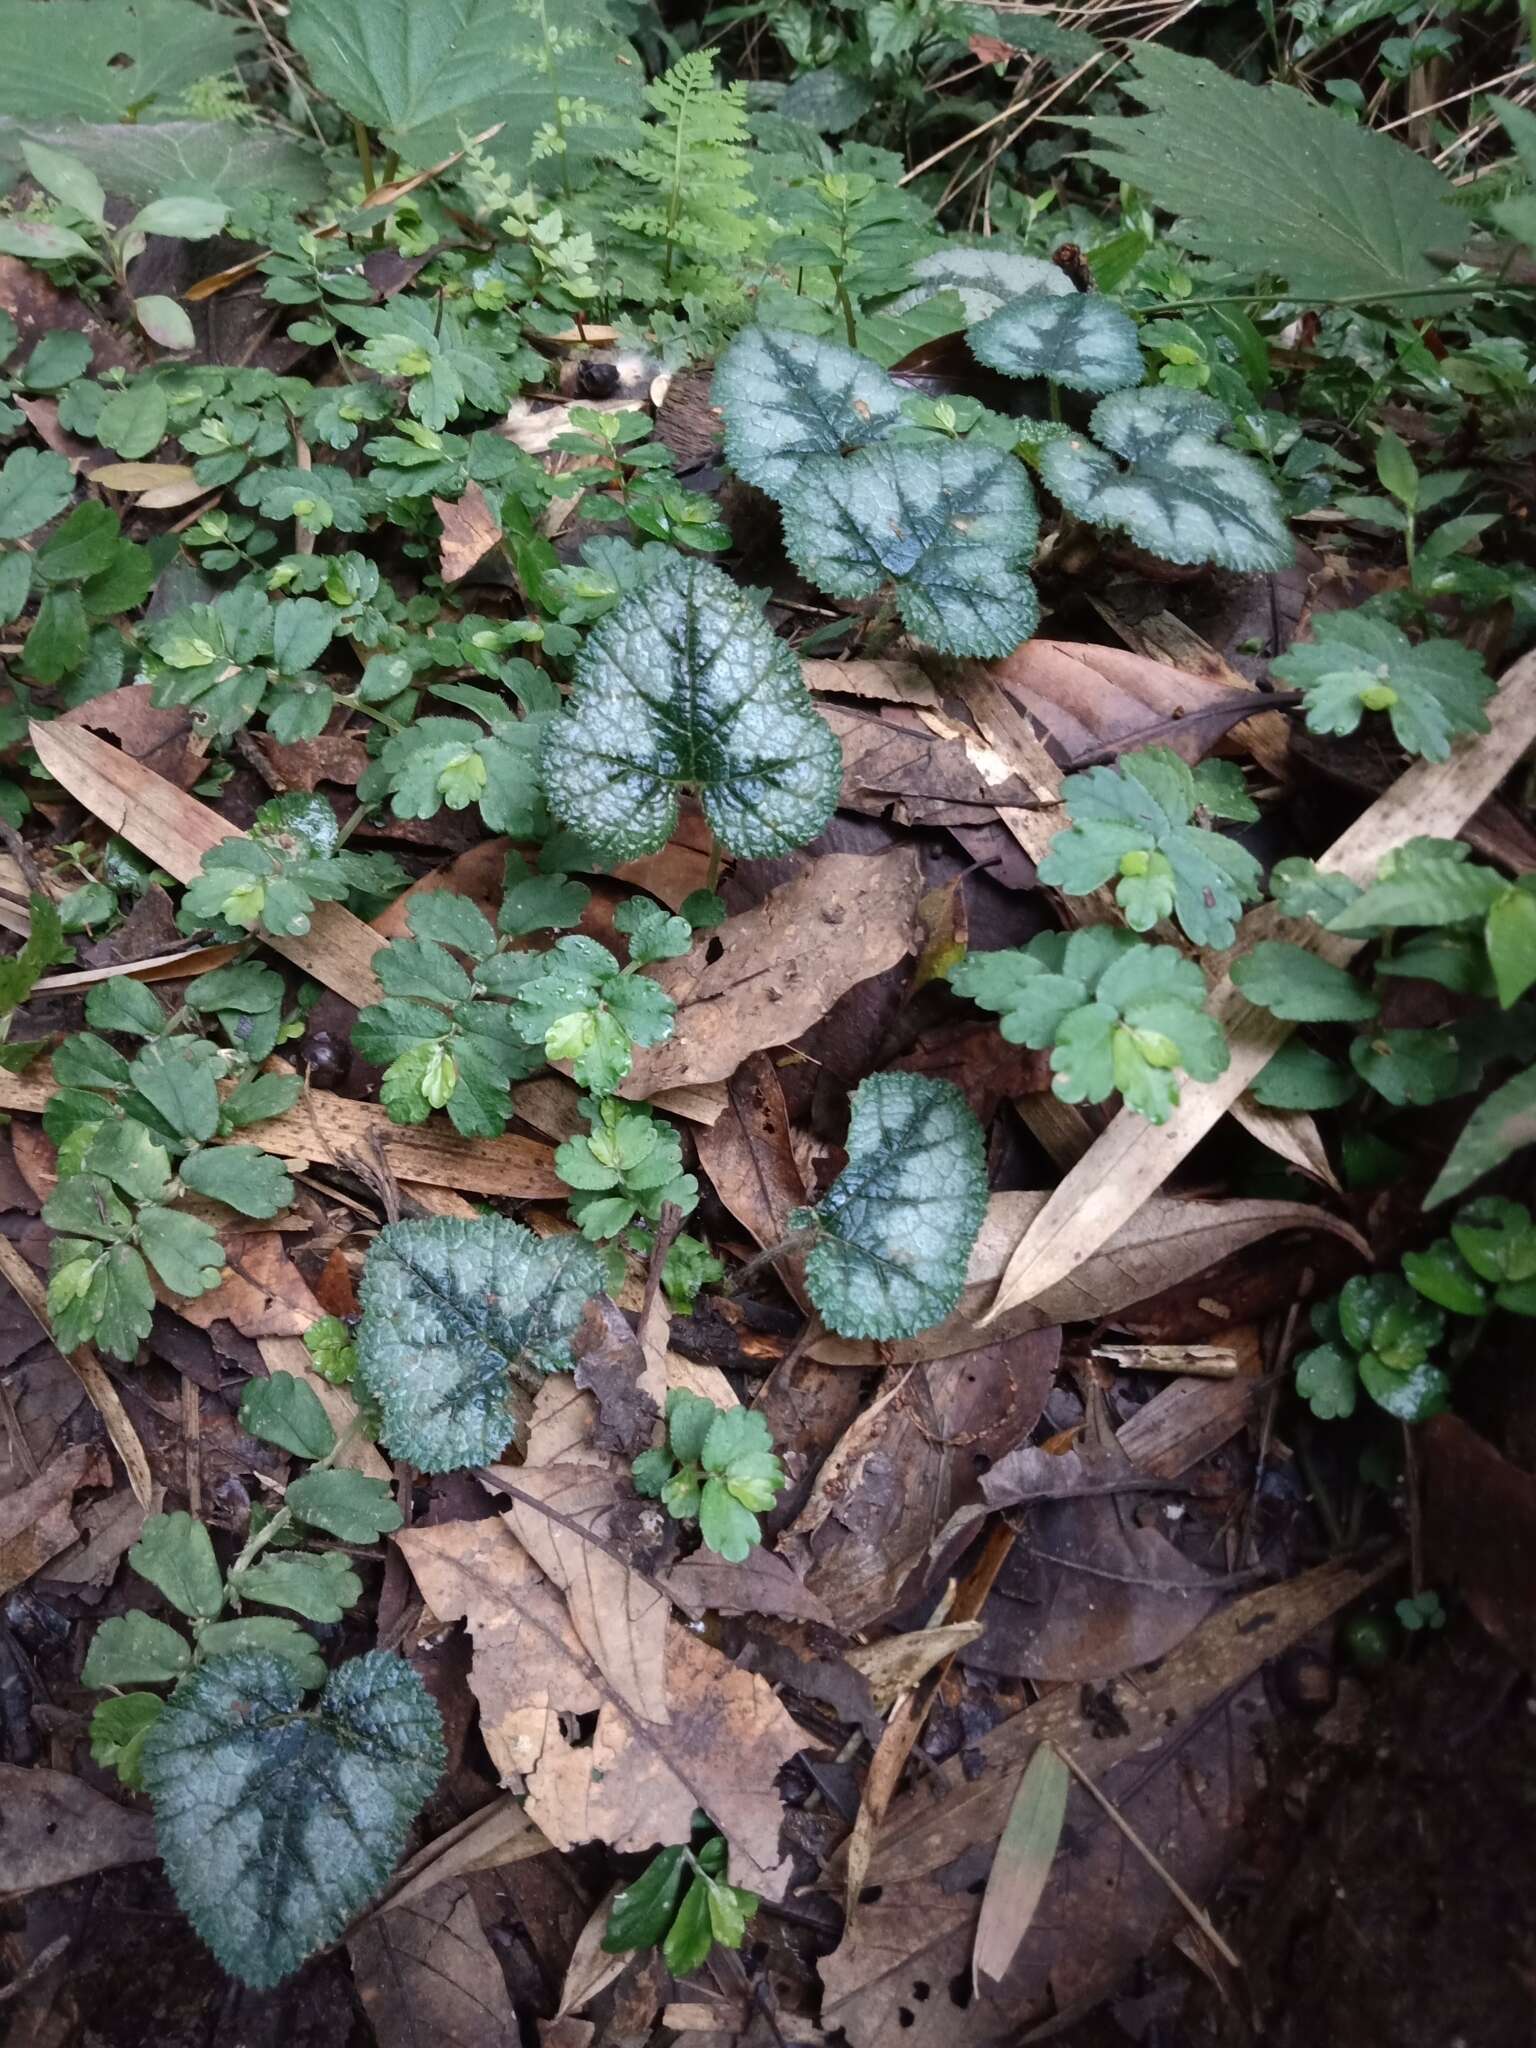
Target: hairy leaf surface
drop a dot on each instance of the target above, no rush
(787, 396)
(1084, 341)
(277, 1825)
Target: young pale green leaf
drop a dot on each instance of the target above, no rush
(320, 1585)
(1432, 691)
(788, 396)
(727, 1526)
(685, 685)
(948, 524)
(175, 1553)
(283, 1410)
(118, 1729)
(1293, 983)
(895, 1229)
(1084, 342)
(1326, 1379)
(273, 1634)
(1132, 824)
(1180, 494)
(276, 1825)
(135, 1649)
(1270, 182)
(453, 1313)
(348, 1505)
(984, 278)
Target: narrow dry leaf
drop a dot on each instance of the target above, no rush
(179, 966)
(174, 831)
(781, 966)
(1164, 1242)
(887, 682)
(470, 530)
(1133, 1158)
(143, 476)
(896, 1664)
(635, 1783)
(1207, 1361)
(1026, 1850)
(1185, 1422)
(426, 1972)
(590, 1969)
(497, 1835)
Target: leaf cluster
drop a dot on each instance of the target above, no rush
(271, 879)
(682, 1903)
(717, 1467)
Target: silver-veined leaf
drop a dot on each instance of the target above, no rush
(948, 525)
(685, 684)
(455, 1311)
(984, 278)
(897, 1225)
(277, 1825)
(788, 396)
(1176, 491)
(1084, 342)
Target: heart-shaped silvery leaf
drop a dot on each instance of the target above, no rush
(897, 1225)
(686, 685)
(787, 396)
(456, 1310)
(984, 278)
(276, 1825)
(1180, 494)
(1084, 341)
(948, 524)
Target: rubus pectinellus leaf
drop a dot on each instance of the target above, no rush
(1432, 691)
(456, 1310)
(984, 278)
(1084, 342)
(276, 1825)
(1179, 494)
(896, 1227)
(787, 396)
(686, 686)
(948, 524)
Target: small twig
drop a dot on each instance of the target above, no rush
(668, 1224)
(192, 1432)
(1197, 1914)
(1234, 710)
(19, 1444)
(1204, 1584)
(21, 854)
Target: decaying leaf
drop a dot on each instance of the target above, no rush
(426, 1972)
(58, 1828)
(35, 1522)
(635, 1782)
(470, 530)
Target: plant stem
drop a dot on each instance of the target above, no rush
(846, 304)
(1421, 291)
(364, 157)
(1055, 399)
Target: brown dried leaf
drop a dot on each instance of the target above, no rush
(425, 1972)
(921, 777)
(35, 1522)
(897, 1663)
(1480, 1530)
(635, 1783)
(161, 740)
(470, 530)
(611, 1366)
(887, 682)
(782, 966)
(262, 1293)
(1133, 1158)
(763, 1583)
(56, 1828)
(590, 1970)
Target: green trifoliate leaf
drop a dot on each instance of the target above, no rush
(1428, 882)
(690, 1418)
(453, 1313)
(1300, 1078)
(179, 1078)
(1408, 1068)
(685, 685)
(788, 396)
(319, 1585)
(985, 278)
(183, 1249)
(45, 945)
(949, 524)
(135, 1649)
(276, 1825)
(1132, 824)
(539, 903)
(1432, 691)
(455, 762)
(652, 932)
(1294, 983)
(1412, 1396)
(897, 1226)
(1179, 494)
(175, 1553)
(284, 1411)
(131, 1158)
(125, 1006)
(240, 1176)
(726, 1525)
(444, 918)
(1083, 341)
(347, 1505)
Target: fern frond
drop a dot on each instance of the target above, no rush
(693, 166)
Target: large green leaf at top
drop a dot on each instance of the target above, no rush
(108, 60)
(424, 72)
(1275, 185)
(984, 278)
(1084, 342)
(948, 525)
(1179, 494)
(897, 1225)
(686, 685)
(786, 396)
(144, 160)
(454, 1312)
(275, 1824)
